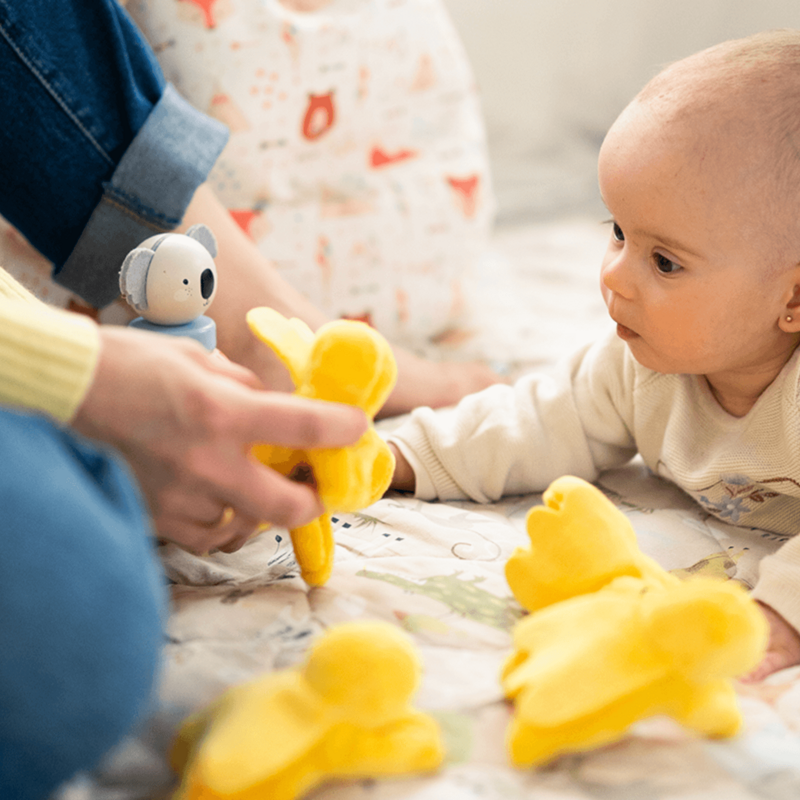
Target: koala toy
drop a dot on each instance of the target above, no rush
(171, 279)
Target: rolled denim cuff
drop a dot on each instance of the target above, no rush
(153, 184)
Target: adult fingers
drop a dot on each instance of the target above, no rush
(260, 493)
(188, 534)
(233, 530)
(228, 534)
(216, 362)
(220, 364)
(199, 507)
(297, 422)
(248, 528)
(227, 475)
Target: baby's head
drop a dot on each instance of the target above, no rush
(701, 173)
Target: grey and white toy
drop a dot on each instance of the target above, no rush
(171, 279)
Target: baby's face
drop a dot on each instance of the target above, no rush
(691, 275)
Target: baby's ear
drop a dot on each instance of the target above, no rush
(133, 277)
(200, 233)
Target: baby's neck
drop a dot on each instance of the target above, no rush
(737, 405)
(738, 393)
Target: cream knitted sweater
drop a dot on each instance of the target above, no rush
(596, 411)
(47, 356)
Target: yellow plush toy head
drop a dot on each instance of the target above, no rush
(580, 541)
(344, 362)
(369, 668)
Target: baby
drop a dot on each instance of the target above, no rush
(701, 176)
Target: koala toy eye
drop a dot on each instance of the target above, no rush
(207, 283)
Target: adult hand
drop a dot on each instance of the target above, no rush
(185, 419)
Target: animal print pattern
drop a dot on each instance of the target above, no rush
(357, 156)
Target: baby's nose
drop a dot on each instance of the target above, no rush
(615, 278)
(206, 283)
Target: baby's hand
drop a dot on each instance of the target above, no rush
(783, 649)
(403, 478)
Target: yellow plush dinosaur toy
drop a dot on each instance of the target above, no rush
(345, 362)
(345, 713)
(617, 638)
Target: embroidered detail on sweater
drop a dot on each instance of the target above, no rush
(733, 496)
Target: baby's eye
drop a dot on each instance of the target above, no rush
(665, 266)
(617, 233)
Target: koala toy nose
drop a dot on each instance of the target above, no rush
(206, 283)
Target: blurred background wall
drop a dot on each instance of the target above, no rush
(554, 75)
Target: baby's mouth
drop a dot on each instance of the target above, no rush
(626, 333)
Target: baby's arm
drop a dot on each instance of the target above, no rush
(570, 420)
(783, 649)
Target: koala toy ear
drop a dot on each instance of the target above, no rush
(200, 233)
(133, 277)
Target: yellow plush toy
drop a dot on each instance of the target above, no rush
(345, 713)
(617, 638)
(345, 362)
(580, 542)
(584, 670)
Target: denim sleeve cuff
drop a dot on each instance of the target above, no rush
(148, 193)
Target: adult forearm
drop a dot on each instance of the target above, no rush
(246, 279)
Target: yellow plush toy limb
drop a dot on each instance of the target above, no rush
(587, 668)
(344, 362)
(580, 542)
(345, 713)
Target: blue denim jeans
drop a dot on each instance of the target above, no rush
(97, 153)
(82, 606)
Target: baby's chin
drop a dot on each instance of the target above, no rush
(651, 360)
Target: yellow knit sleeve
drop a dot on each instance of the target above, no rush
(47, 356)
(14, 290)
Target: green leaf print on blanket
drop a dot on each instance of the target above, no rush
(464, 597)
